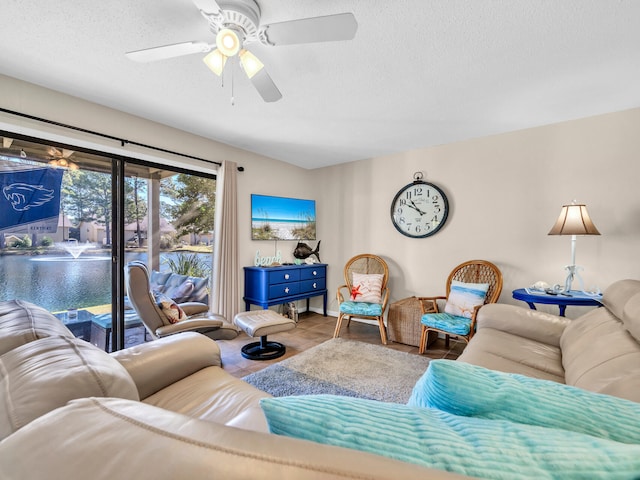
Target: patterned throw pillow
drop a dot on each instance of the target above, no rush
(171, 309)
(367, 287)
(464, 297)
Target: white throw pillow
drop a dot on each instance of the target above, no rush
(367, 287)
(464, 297)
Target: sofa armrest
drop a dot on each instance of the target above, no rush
(532, 324)
(158, 364)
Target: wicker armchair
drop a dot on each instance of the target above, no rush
(460, 326)
(366, 264)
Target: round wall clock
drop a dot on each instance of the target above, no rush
(419, 209)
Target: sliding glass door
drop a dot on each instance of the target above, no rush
(71, 219)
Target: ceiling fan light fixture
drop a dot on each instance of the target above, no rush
(250, 63)
(215, 61)
(228, 42)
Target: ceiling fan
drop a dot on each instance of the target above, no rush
(60, 158)
(236, 23)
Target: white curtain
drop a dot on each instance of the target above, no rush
(225, 291)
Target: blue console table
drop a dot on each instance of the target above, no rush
(575, 298)
(267, 286)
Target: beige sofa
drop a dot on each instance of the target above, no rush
(599, 351)
(162, 410)
(172, 412)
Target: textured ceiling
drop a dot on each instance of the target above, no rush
(418, 73)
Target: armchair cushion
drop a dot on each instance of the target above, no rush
(464, 297)
(469, 390)
(449, 323)
(181, 293)
(367, 287)
(471, 446)
(361, 308)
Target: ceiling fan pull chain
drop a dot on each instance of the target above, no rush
(233, 100)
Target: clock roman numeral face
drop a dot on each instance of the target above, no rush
(419, 210)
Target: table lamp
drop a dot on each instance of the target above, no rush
(573, 220)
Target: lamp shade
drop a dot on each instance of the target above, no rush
(250, 63)
(215, 61)
(574, 220)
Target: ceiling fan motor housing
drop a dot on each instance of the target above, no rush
(243, 15)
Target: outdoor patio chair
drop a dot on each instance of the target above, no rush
(162, 316)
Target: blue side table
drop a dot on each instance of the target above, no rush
(576, 298)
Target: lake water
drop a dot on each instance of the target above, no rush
(59, 282)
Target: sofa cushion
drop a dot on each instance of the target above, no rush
(174, 281)
(200, 289)
(433, 438)
(615, 297)
(23, 322)
(216, 396)
(509, 352)
(157, 281)
(597, 350)
(45, 374)
(463, 389)
(181, 293)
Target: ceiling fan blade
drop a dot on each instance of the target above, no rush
(168, 51)
(265, 86)
(209, 7)
(342, 26)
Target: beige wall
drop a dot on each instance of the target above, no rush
(505, 192)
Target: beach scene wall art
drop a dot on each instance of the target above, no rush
(282, 218)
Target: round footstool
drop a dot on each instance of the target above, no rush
(260, 323)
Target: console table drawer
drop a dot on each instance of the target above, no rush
(284, 275)
(309, 273)
(312, 285)
(283, 290)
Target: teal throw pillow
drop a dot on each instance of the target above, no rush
(469, 390)
(470, 446)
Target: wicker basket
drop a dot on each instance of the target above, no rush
(403, 322)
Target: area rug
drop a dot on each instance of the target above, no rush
(344, 367)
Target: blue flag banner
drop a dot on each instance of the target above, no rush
(30, 200)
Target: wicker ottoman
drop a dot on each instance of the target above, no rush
(260, 323)
(403, 322)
